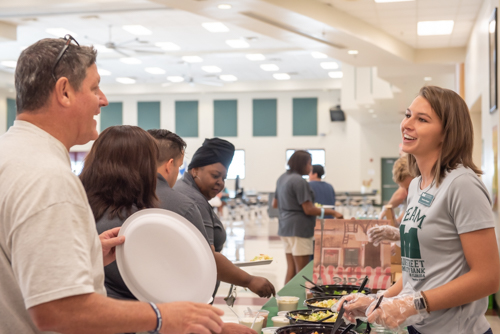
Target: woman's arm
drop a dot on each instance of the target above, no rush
(481, 252)
(311, 210)
(395, 289)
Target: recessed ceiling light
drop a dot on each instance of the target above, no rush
(60, 32)
(168, 46)
(228, 77)
(211, 69)
(175, 78)
(318, 55)
(371, 111)
(281, 76)
(255, 56)
(429, 28)
(125, 81)
(102, 48)
(224, 6)
(353, 52)
(137, 29)
(335, 74)
(192, 59)
(102, 72)
(215, 26)
(9, 63)
(329, 65)
(382, 1)
(427, 78)
(155, 70)
(269, 67)
(237, 43)
(130, 61)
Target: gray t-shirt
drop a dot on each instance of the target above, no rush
(291, 192)
(179, 203)
(431, 250)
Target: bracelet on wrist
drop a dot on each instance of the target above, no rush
(159, 320)
(426, 301)
(322, 213)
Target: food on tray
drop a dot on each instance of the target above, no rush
(262, 257)
(327, 303)
(316, 316)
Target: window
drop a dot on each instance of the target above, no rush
(225, 118)
(351, 257)
(305, 117)
(186, 118)
(318, 156)
(111, 115)
(148, 115)
(265, 117)
(237, 166)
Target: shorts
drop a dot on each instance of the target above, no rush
(298, 246)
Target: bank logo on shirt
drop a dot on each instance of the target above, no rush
(410, 247)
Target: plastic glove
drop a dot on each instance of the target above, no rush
(355, 306)
(377, 234)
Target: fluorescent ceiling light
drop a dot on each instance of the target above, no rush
(168, 46)
(429, 28)
(428, 79)
(281, 76)
(255, 56)
(60, 32)
(175, 78)
(318, 55)
(130, 61)
(215, 26)
(9, 63)
(125, 81)
(137, 29)
(383, 1)
(269, 67)
(211, 69)
(237, 43)
(329, 65)
(228, 77)
(102, 72)
(353, 52)
(102, 48)
(192, 59)
(335, 74)
(155, 70)
(224, 6)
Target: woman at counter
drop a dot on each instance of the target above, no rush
(297, 213)
(448, 244)
(204, 179)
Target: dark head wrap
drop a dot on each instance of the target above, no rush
(213, 151)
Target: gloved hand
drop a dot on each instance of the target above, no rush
(355, 306)
(377, 234)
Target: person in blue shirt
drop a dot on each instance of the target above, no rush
(323, 191)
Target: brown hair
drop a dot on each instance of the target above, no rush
(400, 170)
(120, 171)
(170, 145)
(33, 78)
(298, 162)
(458, 132)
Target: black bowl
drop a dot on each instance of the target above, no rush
(337, 290)
(308, 302)
(310, 329)
(291, 315)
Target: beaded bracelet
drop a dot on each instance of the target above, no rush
(159, 320)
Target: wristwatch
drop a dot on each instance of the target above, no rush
(420, 303)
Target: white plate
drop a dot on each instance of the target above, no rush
(328, 206)
(252, 263)
(165, 258)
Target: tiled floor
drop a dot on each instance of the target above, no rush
(246, 240)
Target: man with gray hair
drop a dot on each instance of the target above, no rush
(51, 258)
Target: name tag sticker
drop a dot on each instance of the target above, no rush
(426, 199)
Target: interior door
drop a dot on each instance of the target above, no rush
(388, 185)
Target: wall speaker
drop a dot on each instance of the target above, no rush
(336, 114)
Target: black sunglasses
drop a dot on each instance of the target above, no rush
(68, 38)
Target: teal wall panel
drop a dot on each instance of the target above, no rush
(305, 117)
(111, 115)
(265, 117)
(186, 118)
(148, 115)
(11, 112)
(225, 118)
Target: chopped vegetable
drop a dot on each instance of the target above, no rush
(327, 303)
(317, 316)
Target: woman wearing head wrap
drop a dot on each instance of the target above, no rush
(204, 179)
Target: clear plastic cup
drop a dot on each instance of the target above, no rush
(253, 314)
(257, 326)
(282, 313)
(287, 303)
(269, 330)
(279, 321)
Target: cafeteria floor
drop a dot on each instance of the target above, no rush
(248, 239)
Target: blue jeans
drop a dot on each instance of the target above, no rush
(412, 330)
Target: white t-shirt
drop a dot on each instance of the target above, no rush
(431, 250)
(49, 247)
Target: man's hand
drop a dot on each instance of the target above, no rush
(261, 287)
(187, 318)
(232, 328)
(109, 240)
(338, 215)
